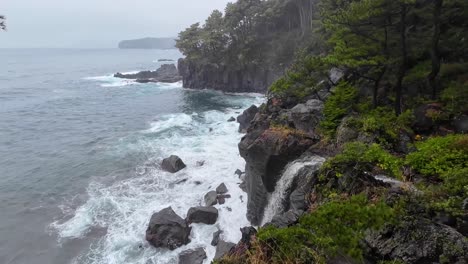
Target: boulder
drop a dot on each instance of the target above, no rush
(216, 236)
(417, 240)
(247, 234)
(246, 117)
(307, 116)
(232, 119)
(238, 172)
(167, 229)
(202, 214)
(192, 256)
(172, 164)
(223, 248)
(460, 124)
(211, 198)
(424, 117)
(221, 200)
(285, 219)
(166, 73)
(221, 189)
(346, 132)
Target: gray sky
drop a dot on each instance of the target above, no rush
(97, 23)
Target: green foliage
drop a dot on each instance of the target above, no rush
(440, 155)
(455, 97)
(335, 227)
(365, 156)
(337, 106)
(445, 158)
(301, 80)
(383, 123)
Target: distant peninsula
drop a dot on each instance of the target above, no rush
(148, 43)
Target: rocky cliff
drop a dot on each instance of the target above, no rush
(197, 75)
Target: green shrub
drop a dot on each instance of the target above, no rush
(439, 155)
(334, 227)
(384, 123)
(455, 97)
(301, 80)
(337, 106)
(358, 153)
(444, 158)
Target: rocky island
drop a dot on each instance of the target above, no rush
(148, 43)
(167, 73)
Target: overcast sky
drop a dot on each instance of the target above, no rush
(97, 23)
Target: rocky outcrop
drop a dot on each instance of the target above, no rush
(251, 78)
(223, 248)
(266, 154)
(211, 198)
(216, 236)
(192, 256)
(306, 117)
(221, 189)
(202, 214)
(246, 117)
(167, 229)
(172, 164)
(167, 73)
(418, 240)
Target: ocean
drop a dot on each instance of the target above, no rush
(79, 155)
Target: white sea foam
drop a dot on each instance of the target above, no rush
(125, 207)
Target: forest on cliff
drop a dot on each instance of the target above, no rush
(387, 81)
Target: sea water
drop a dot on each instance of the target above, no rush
(80, 153)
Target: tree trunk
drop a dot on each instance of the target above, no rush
(404, 59)
(435, 54)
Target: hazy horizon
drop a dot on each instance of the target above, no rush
(93, 24)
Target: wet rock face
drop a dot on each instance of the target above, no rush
(172, 164)
(246, 117)
(192, 256)
(418, 240)
(222, 77)
(205, 215)
(266, 155)
(223, 248)
(211, 198)
(168, 230)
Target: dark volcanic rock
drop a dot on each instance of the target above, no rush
(192, 256)
(167, 229)
(172, 164)
(216, 235)
(246, 117)
(266, 153)
(211, 198)
(247, 234)
(252, 78)
(418, 240)
(221, 189)
(223, 248)
(166, 73)
(202, 214)
(284, 220)
(424, 119)
(307, 116)
(231, 119)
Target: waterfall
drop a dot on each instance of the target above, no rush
(277, 198)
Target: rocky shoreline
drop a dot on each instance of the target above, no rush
(167, 73)
(284, 156)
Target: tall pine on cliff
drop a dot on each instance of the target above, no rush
(251, 33)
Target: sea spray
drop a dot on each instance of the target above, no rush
(277, 198)
(124, 208)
